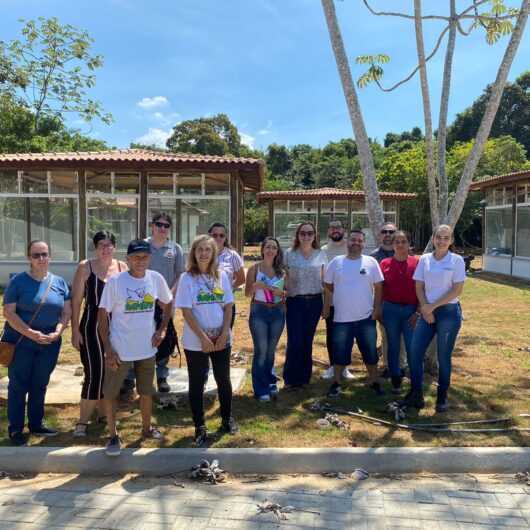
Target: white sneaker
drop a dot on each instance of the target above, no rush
(264, 398)
(329, 373)
(346, 374)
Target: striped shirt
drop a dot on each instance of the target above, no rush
(229, 261)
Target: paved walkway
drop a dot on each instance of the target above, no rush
(130, 503)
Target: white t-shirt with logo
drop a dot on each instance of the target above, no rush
(440, 275)
(353, 286)
(131, 302)
(206, 298)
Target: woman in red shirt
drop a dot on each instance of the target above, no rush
(399, 302)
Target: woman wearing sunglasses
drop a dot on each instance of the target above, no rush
(228, 260)
(37, 310)
(305, 263)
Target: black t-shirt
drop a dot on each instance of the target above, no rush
(380, 254)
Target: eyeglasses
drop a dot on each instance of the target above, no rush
(302, 233)
(218, 236)
(158, 224)
(389, 232)
(38, 255)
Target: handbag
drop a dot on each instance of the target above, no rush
(7, 349)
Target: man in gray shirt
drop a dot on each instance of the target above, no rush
(385, 248)
(167, 259)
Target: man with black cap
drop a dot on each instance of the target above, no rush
(129, 335)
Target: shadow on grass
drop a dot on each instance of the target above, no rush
(500, 279)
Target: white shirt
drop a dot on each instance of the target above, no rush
(231, 262)
(131, 301)
(206, 299)
(439, 276)
(353, 286)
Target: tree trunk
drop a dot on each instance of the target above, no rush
(442, 121)
(373, 202)
(489, 115)
(427, 116)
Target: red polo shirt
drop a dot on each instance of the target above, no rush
(399, 287)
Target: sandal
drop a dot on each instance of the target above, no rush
(80, 430)
(153, 434)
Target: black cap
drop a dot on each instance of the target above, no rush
(138, 245)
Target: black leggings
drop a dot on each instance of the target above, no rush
(197, 368)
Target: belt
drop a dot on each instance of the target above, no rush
(308, 296)
(269, 305)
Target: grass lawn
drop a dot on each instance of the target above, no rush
(491, 378)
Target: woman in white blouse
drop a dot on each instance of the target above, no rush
(305, 263)
(439, 277)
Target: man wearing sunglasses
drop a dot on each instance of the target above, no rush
(167, 258)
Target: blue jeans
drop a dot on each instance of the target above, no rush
(29, 375)
(448, 319)
(266, 326)
(302, 316)
(396, 323)
(345, 333)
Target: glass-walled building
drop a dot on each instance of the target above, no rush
(506, 223)
(64, 198)
(287, 209)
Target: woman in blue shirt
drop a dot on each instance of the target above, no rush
(36, 331)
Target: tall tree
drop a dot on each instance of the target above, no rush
(50, 69)
(373, 202)
(496, 23)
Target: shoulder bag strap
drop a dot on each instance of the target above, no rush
(41, 303)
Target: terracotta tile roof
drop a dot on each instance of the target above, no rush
(253, 170)
(328, 193)
(489, 181)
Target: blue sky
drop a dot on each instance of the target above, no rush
(268, 64)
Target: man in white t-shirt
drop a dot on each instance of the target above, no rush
(131, 339)
(336, 246)
(356, 284)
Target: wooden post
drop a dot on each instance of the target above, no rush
(142, 229)
(270, 220)
(82, 235)
(234, 207)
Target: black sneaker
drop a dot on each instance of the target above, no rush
(163, 385)
(18, 439)
(334, 390)
(229, 427)
(113, 447)
(376, 387)
(385, 374)
(201, 436)
(414, 398)
(441, 401)
(44, 431)
(396, 384)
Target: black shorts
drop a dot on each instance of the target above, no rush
(167, 346)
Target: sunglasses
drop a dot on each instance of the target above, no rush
(389, 232)
(37, 255)
(306, 234)
(218, 236)
(158, 224)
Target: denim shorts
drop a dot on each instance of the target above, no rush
(346, 333)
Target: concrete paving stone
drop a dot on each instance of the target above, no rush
(368, 523)
(236, 525)
(403, 522)
(27, 515)
(463, 514)
(526, 515)
(373, 511)
(508, 521)
(339, 519)
(439, 497)
(167, 519)
(490, 499)
(512, 500)
(465, 501)
(123, 519)
(190, 523)
(155, 526)
(504, 512)
(462, 494)
(435, 512)
(422, 496)
(403, 496)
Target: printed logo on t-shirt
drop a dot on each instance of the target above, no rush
(139, 301)
(206, 296)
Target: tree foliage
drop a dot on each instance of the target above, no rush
(50, 69)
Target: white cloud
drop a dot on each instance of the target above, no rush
(153, 103)
(154, 136)
(165, 119)
(266, 130)
(247, 140)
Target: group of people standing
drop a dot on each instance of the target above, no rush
(126, 334)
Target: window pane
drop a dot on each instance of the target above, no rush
(341, 206)
(523, 231)
(163, 205)
(285, 226)
(34, 182)
(217, 184)
(98, 182)
(499, 229)
(390, 218)
(119, 216)
(160, 183)
(280, 206)
(508, 195)
(53, 220)
(189, 184)
(498, 196)
(310, 206)
(126, 183)
(521, 194)
(296, 206)
(63, 181)
(358, 205)
(389, 205)
(8, 181)
(12, 228)
(195, 216)
(327, 206)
